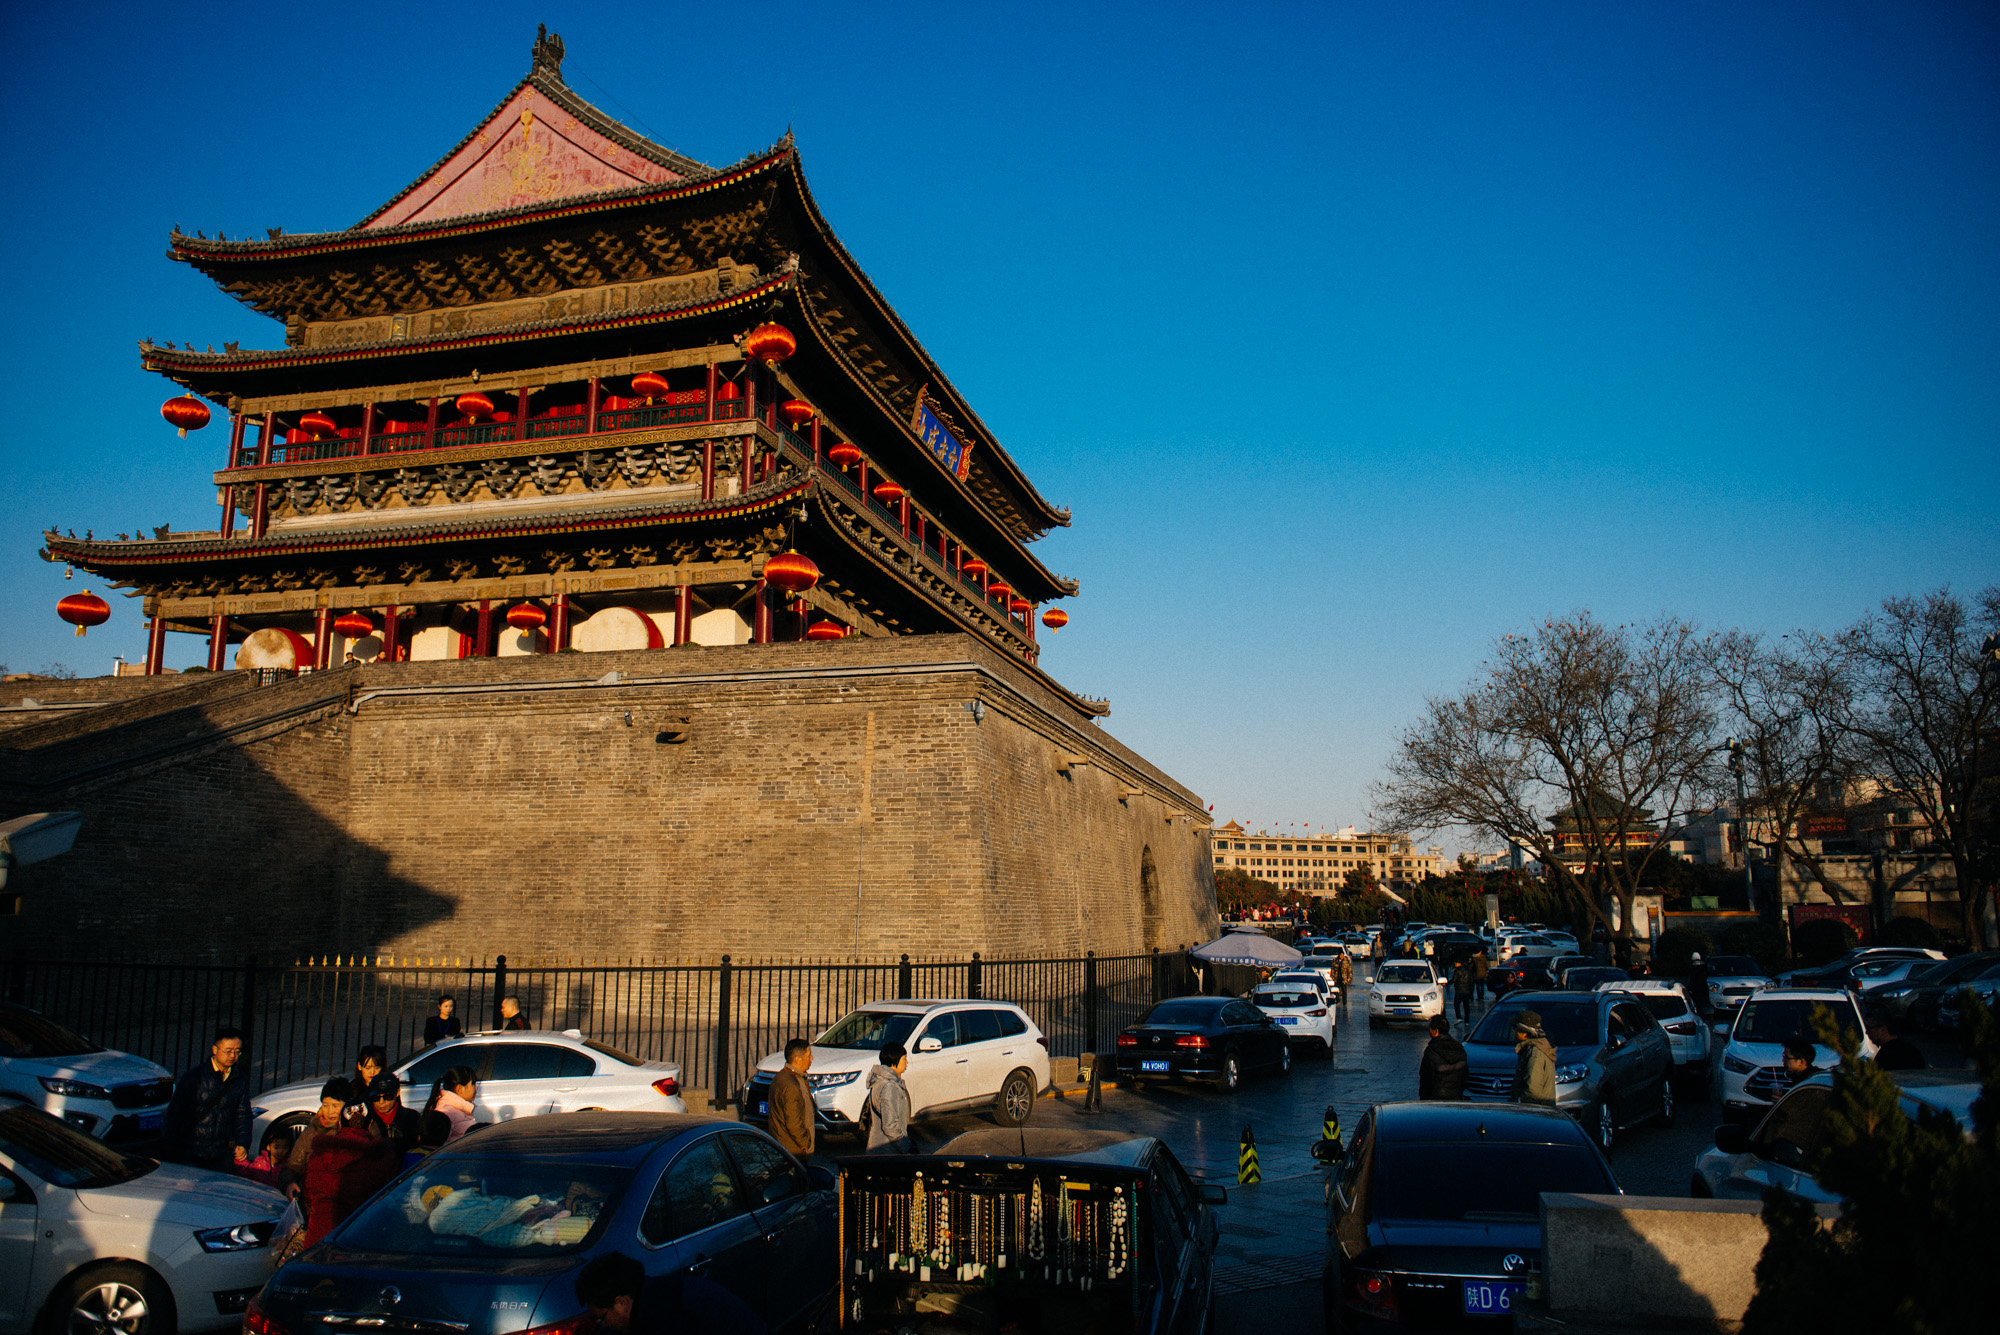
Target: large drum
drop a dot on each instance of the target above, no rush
(275, 648)
(616, 628)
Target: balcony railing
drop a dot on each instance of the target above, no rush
(461, 435)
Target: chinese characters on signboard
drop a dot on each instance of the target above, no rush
(950, 451)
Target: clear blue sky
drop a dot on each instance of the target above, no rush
(1355, 335)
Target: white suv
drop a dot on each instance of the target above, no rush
(1404, 990)
(113, 1096)
(965, 1056)
(1753, 1061)
(1668, 1002)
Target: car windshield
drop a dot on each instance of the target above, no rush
(1568, 1026)
(1404, 973)
(1455, 1182)
(605, 1049)
(62, 1156)
(1181, 1012)
(460, 1205)
(1586, 979)
(1663, 1005)
(1734, 966)
(869, 1030)
(1284, 1000)
(1774, 1019)
(26, 1034)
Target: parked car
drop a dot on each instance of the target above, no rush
(1732, 980)
(1558, 965)
(1446, 948)
(1220, 1039)
(1686, 1034)
(1917, 1000)
(94, 1239)
(521, 1073)
(1753, 1058)
(965, 1055)
(1744, 1163)
(1304, 1014)
(1951, 1010)
(1874, 975)
(1434, 1212)
(1358, 944)
(1319, 980)
(1520, 972)
(1404, 990)
(1591, 977)
(733, 1232)
(113, 1096)
(1614, 1064)
(1836, 971)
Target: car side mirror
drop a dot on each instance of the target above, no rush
(1731, 1138)
(1329, 1151)
(778, 1188)
(1214, 1196)
(822, 1179)
(1719, 1030)
(930, 1045)
(1615, 1042)
(13, 1191)
(1786, 1153)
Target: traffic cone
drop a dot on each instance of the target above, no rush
(1330, 1128)
(1247, 1171)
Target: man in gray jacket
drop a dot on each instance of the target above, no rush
(887, 1109)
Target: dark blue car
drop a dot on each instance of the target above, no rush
(487, 1236)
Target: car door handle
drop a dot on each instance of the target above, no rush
(963, 1061)
(701, 1265)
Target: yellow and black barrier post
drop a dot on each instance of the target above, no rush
(1247, 1171)
(1330, 1128)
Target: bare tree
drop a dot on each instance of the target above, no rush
(1788, 703)
(1585, 744)
(1926, 722)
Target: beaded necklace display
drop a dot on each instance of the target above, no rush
(1119, 1255)
(1035, 1240)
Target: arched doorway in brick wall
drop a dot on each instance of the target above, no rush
(1149, 900)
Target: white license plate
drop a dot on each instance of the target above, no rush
(1288, 1019)
(151, 1121)
(764, 1109)
(1490, 1297)
(1153, 1066)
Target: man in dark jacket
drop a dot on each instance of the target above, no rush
(1441, 1075)
(392, 1119)
(207, 1121)
(792, 1122)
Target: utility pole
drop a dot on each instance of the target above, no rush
(1742, 823)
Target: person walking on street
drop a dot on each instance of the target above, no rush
(1461, 989)
(453, 1096)
(392, 1119)
(1698, 982)
(1534, 1062)
(1894, 1052)
(443, 1025)
(1441, 1074)
(887, 1110)
(348, 1165)
(334, 1096)
(1480, 964)
(510, 1014)
(791, 1121)
(207, 1122)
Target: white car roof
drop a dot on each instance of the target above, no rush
(1805, 994)
(925, 1005)
(1644, 985)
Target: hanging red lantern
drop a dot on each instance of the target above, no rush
(998, 589)
(317, 425)
(791, 572)
(526, 617)
(84, 610)
(186, 412)
(1020, 605)
(727, 390)
(844, 455)
(796, 412)
(770, 343)
(889, 492)
(353, 625)
(475, 405)
(649, 385)
(1055, 619)
(974, 567)
(825, 630)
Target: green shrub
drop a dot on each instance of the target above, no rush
(1910, 932)
(1819, 940)
(1762, 943)
(1674, 952)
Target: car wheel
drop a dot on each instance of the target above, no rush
(1698, 1188)
(1232, 1074)
(1285, 1059)
(1667, 1110)
(125, 1298)
(1016, 1103)
(1326, 1049)
(287, 1126)
(1606, 1128)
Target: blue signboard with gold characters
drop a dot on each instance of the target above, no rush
(950, 451)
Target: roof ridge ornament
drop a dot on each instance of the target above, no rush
(547, 53)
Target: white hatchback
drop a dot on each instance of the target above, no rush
(103, 1093)
(1404, 990)
(521, 1073)
(92, 1239)
(1301, 1011)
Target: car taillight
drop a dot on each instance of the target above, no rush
(1043, 1039)
(1374, 1293)
(1320, 1010)
(668, 1085)
(583, 1323)
(257, 1322)
(1128, 1040)
(1191, 1041)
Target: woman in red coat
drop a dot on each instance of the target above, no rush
(346, 1167)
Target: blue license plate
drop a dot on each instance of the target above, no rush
(1400, 1010)
(1153, 1066)
(151, 1121)
(1491, 1297)
(764, 1109)
(1288, 1019)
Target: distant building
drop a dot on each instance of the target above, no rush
(1317, 864)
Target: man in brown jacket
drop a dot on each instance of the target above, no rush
(791, 1121)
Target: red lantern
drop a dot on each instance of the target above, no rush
(729, 389)
(1020, 605)
(844, 455)
(186, 412)
(770, 343)
(999, 589)
(84, 610)
(796, 412)
(889, 492)
(974, 567)
(526, 617)
(1055, 619)
(353, 625)
(317, 425)
(475, 405)
(649, 385)
(791, 572)
(825, 630)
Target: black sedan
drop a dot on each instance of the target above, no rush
(1202, 1038)
(488, 1235)
(1434, 1212)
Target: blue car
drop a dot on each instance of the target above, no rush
(487, 1236)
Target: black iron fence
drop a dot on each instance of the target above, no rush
(305, 1020)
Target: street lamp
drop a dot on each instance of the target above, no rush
(1742, 821)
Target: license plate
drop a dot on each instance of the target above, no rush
(764, 1109)
(1491, 1297)
(1152, 1066)
(151, 1121)
(1288, 1019)
(1399, 1010)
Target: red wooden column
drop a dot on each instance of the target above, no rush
(367, 429)
(750, 395)
(817, 456)
(229, 488)
(156, 645)
(708, 404)
(260, 508)
(749, 462)
(390, 633)
(218, 642)
(683, 614)
(591, 405)
(760, 617)
(708, 470)
(559, 625)
(482, 642)
(520, 414)
(904, 507)
(431, 424)
(323, 639)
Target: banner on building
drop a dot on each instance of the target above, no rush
(937, 437)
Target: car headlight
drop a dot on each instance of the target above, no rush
(74, 1089)
(1573, 1074)
(833, 1078)
(1732, 1062)
(237, 1237)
